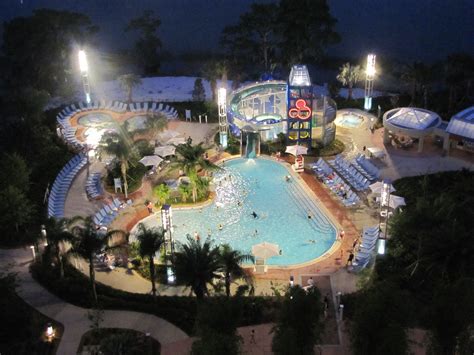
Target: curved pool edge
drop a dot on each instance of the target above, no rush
(328, 253)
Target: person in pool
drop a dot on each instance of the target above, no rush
(220, 226)
(254, 215)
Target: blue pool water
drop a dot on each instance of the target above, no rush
(351, 121)
(247, 185)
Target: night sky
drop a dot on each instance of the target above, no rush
(425, 30)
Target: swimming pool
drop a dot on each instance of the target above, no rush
(350, 120)
(258, 185)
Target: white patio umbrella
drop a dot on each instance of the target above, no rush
(296, 150)
(265, 250)
(396, 201)
(165, 150)
(377, 187)
(176, 141)
(150, 160)
(167, 135)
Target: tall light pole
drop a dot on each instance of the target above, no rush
(222, 104)
(84, 68)
(369, 81)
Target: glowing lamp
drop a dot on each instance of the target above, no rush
(49, 332)
(83, 66)
(221, 96)
(381, 246)
(370, 70)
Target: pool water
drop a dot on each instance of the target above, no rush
(258, 185)
(351, 121)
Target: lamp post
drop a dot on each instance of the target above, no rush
(84, 68)
(167, 224)
(369, 81)
(222, 104)
(384, 202)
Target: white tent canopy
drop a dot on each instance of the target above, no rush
(296, 150)
(376, 152)
(396, 201)
(176, 141)
(265, 250)
(377, 187)
(165, 150)
(151, 160)
(167, 135)
(413, 118)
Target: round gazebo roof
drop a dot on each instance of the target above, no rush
(411, 121)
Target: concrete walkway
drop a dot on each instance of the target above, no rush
(73, 318)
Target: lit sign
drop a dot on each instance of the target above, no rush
(300, 111)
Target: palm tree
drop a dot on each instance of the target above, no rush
(151, 241)
(189, 159)
(89, 241)
(58, 233)
(119, 144)
(156, 122)
(128, 82)
(184, 190)
(348, 76)
(415, 75)
(214, 71)
(162, 192)
(230, 261)
(196, 265)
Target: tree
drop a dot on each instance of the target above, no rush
(189, 159)
(185, 191)
(381, 314)
(156, 122)
(196, 265)
(458, 74)
(38, 48)
(58, 233)
(211, 72)
(148, 44)
(15, 209)
(151, 240)
(416, 75)
(451, 314)
(299, 325)
(199, 94)
(305, 29)
(253, 39)
(128, 82)
(216, 325)
(14, 172)
(87, 243)
(348, 76)
(231, 261)
(162, 192)
(119, 145)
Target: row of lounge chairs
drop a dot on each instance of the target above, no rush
(350, 173)
(366, 248)
(336, 184)
(61, 185)
(168, 111)
(106, 215)
(94, 188)
(367, 169)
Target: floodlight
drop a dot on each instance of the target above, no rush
(83, 66)
(370, 70)
(221, 96)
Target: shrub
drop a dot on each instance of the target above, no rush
(179, 310)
